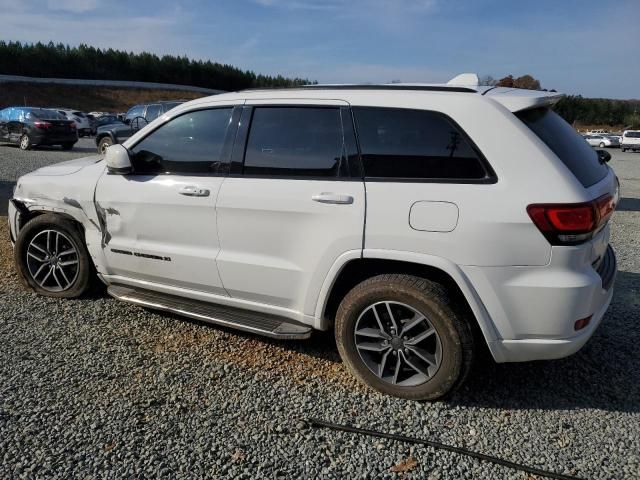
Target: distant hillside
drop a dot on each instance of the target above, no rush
(84, 98)
(84, 61)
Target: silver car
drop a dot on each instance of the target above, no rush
(602, 141)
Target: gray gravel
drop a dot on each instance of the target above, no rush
(94, 388)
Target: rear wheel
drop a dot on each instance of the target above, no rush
(68, 145)
(25, 142)
(52, 258)
(402, 336)
(105, 143)
(601, 145)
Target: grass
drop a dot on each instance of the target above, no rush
(84, 98)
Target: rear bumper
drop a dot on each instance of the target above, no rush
(534, 309)
(38, 138)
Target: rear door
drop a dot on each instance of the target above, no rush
(15, 125)
(4, 120)
(292, 204)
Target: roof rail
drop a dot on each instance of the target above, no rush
(391, 86)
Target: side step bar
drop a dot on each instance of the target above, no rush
(254, 322)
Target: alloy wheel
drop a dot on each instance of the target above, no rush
(398, 344)
(52, 260)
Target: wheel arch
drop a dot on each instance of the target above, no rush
(351, 271)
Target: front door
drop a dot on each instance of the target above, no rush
(159, 223)
(291, 205)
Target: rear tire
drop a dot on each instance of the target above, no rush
(104, 143)
(52, 258)
(601, 145)
(25, 142)
(427, 370)
(68, 145)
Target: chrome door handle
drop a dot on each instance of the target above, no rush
(333, 198)
(193, 191)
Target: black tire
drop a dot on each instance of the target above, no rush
(71, 235)
(104, 144)
(25, 142)
(601, 145)
(431, 300)
(68, 145)
(623, 150)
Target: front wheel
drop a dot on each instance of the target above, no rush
(52, 258)
(25, 142)
(105, 143)
(601, 145)
(401, 335)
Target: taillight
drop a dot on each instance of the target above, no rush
(40, 124)
(72, 126)
(571, 223)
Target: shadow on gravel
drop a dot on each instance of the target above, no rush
(6, 190)
(629, 205)
(604, 375)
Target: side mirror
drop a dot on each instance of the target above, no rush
(603, 156)
(118, 161)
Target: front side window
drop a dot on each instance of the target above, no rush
(188, 144)
(294, 141)
(415, 144)
(136, 111)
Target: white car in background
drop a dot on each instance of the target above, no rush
(602, 141)
(392, 215)
(630, 140)
(83, 126)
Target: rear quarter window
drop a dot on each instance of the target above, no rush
(417, 145)
(578, 156)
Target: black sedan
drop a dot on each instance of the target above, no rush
(31, 126)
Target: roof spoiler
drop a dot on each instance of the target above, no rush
(517, 99)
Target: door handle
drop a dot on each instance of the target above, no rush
(193, 191)
(333, 198)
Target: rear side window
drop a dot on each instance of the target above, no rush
(566, 143)
(416, 144)
(632, 134)
(152, 112)
(294, 141)
(189, 144)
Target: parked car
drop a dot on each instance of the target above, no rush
(82, 122)
(31, 126)
(136, 118)
(630, 140)
(387, 213)
(602, 141)
(93, 123)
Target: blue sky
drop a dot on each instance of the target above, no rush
(582, 47)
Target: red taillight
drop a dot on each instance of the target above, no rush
(72, 126)
(572, 223)
(40, 124)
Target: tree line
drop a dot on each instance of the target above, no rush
(87, 62)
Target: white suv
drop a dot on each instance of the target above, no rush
(416, 221)
(630, 140)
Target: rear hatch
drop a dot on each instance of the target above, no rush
(583, 224)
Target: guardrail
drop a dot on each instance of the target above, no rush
(107, 83)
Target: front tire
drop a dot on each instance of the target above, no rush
(601, 145)
(52, 258)
(25, 142)
(105, 143)
(403, 336)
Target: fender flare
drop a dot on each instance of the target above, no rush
(473, 299)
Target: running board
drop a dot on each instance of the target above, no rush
(254, 322)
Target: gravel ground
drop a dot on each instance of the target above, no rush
(95, 388)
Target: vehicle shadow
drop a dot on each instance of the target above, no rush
(628, 204)
(604, 375)
(6, 191)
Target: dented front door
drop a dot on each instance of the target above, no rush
(159, 222)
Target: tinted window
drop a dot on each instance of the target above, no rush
(15, 114)
(632, 135)
(43, 114)
(292, 141)
(565, 142)
(4, 115)
(415, 144)
(152, 112)
(189, 144)
(169, 106)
